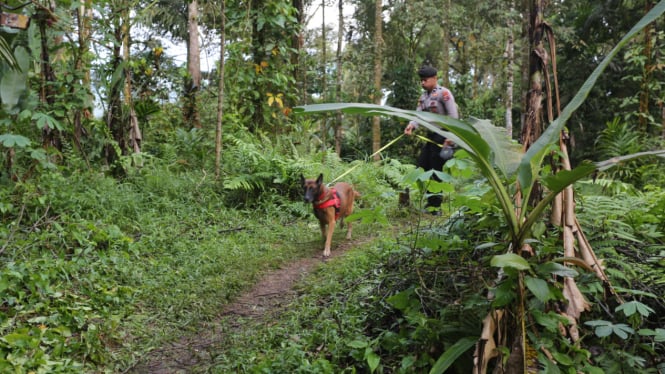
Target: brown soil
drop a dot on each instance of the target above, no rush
(274, 291)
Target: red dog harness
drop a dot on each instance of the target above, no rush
(332, 201)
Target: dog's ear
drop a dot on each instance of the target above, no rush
(319, 180)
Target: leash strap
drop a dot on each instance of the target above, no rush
(370, 156)
(429, 140)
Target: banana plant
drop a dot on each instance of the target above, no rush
(510, 172)
(497, 159)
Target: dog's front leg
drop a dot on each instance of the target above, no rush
(329, 234)
(324, 232)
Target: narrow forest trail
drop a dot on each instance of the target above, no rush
(264, 302)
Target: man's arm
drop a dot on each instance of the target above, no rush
(408, 130)
(449, 104)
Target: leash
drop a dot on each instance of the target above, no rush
(370, 156)
(429, 140)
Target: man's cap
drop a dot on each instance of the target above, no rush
(426, 72)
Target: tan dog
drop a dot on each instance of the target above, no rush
(330, 205)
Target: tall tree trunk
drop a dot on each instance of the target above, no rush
(112, 152)
(646, 74)
(378, 45)
(84, 20)
(134, 130)
(193, 83)
(258, 55)
(338, 98)
(510, 76)
(533, 125)
(50, 137)
(297, 44)
(445, 25)
(220, 98)
(324, 80)
(524, 65)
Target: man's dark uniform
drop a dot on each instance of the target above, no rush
(439, 100)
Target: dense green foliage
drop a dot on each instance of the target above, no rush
(397, 305)
(108, 253)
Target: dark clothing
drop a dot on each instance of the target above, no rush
(440, 100)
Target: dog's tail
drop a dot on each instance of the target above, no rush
(356, 194)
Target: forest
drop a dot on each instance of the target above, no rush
(151, 155)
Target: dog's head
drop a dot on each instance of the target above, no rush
(311, 188)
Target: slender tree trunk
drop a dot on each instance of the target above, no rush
(84, 19)
(50, 137)
(533, 125)
(662, 120)
(646, 74)
(134, 130)
(338, 98)
(378, 45)
(193, 83)
(114, 115)
(258, 40)
(510, 77)
(220, 99)
(524, 65)
(297, 44)
(324, 80)
(445, 25)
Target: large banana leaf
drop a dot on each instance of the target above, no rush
(467, 136)
(488, 147)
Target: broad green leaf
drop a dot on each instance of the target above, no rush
(401, 300)
(439, 187)
(549, 320)
(634, 306)
(447, 359)
(660, 335)
(622, 330)
(503, 294)
(506, 153)
(538, 288)
(372, 359)
(43, 121)
(357, 344)
(12, 86)
(603, 331)
(511, 260)
(595, 323)
(562, 358)
(11, 140)
(556, 269)
(564, 178)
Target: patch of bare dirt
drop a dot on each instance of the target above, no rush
(266, 299)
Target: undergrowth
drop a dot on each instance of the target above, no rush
(396, 305)
(97, 271)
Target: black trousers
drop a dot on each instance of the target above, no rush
(429, 159)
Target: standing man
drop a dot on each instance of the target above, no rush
(440, 100)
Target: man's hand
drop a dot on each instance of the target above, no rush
(408, 130)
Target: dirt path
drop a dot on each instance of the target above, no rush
(265, 299)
